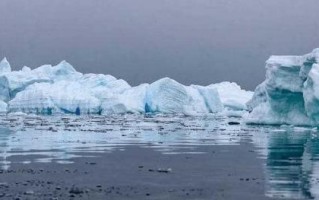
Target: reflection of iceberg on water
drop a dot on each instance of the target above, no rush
(72, 136)
(291, 162)
(4, 148)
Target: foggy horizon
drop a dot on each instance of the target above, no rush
(193, 42)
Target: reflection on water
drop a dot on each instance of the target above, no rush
(59, 139)
(290, 153)
(291, 161)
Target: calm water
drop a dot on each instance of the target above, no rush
(290, 154)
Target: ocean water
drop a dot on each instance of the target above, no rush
(289, 154)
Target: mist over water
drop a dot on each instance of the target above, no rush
(198, 42)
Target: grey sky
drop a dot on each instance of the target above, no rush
(192, 41)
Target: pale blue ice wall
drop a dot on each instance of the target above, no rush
(290, 93)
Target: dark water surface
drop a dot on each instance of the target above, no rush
(289, 155)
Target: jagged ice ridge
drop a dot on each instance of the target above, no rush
(61, 89)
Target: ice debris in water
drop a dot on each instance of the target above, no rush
(61, 89)
(290, 93)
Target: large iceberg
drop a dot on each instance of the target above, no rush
(61, 89)
(289, 95)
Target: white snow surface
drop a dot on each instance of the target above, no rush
(290, 93)
(61, 89)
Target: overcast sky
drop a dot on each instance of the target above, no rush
(192, 41)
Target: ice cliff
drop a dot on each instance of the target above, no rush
(290, 93)
(61, 89)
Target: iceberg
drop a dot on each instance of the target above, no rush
(60, 89)
(289, 95)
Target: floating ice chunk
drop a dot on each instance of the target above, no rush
(233, 113)
(17, 114)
